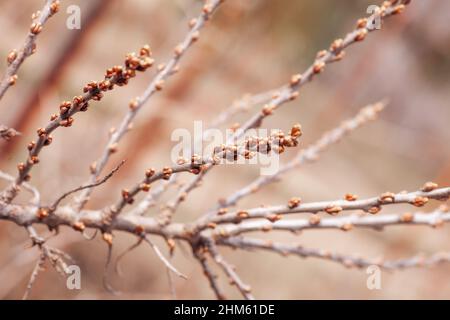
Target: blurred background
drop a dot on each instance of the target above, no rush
(248, 47)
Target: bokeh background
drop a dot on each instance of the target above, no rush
(248, 47)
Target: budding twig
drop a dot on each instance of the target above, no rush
(290, 92)
(371, 205)
(93, 185)
(15, 59)
(348, 261)
(7, 133)
(155, 85)
(308, 154)
(117, 75)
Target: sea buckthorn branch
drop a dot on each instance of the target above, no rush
(15, 59)
(229, 270)
(156, 85)
(200, 255)
(350, 202)
(7, 133)
(117, 75)
(290, 92)
(150, 200)
(249, 148)
(345, 223)
(55, 256)
(35, 192)
(348, 261)
(242, 105)
(93, 185)
(308, 154)
(333, 54)
(27, 215)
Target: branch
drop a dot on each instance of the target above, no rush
(309, 154)
(118, 75)
(15, 59)
(290, 92)
(209, 274)
(345, 260)
(36, 195)
(243, 288)
(345, 223)
(371, 205)
(102, 181)
(247, 149)
(156, 85)
(7, 133)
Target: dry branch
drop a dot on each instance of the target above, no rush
(15, 59)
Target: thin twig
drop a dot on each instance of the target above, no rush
(163, 258)
(93, 185)
(15, 59)
(156, 85)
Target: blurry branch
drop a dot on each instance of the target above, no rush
(229, 270)
(348, 261)
(15, 59)
(7, 133)
(242, 105)
(345, 223)
(36, 195)
(290, 92)
(308, 154)
(53, 255)
(209, 274)
(163, 258)
(157, 84)
(117, 75)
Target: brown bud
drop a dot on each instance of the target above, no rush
(35, 28)
(242, 215)
(407, 217)
(267, 110)
(159, 85)
(54, 7)
(294, 202)
(139, 229)
(333, 210)
(351, 197)
(374, 210)
(11, 57)
(108, 238)
(314, 219)
(295, 79)
(318, 67)
(361, 23)
(145, 187)
(42, 213)
(296, 131)
(387, 197)
(12, 80)
(346, 227)
(149, 172)
(419, 201)
(361, 35)
(274, 217)
(429, 186)
(79, 226)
